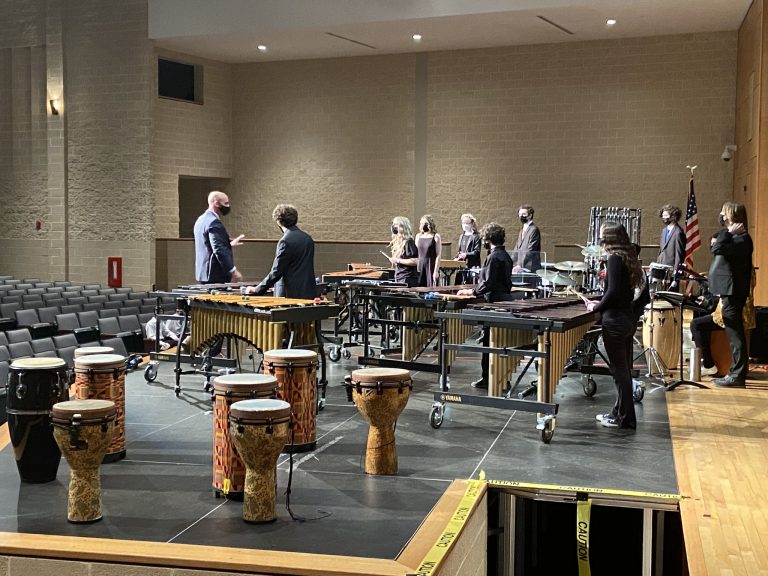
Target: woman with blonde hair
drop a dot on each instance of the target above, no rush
(469, 247)
(429, 245)
(405, 255)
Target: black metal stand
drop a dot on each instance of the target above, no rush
(679, 300)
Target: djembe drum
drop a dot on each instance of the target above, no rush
(228, 467)
(90, 350)
(296, 372)
(380, 394)
(34, 385)
(259, 430)
(102, 377)
(83, 430)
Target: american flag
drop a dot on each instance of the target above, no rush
(692, 236)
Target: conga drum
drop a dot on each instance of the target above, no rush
(102, 377)
(34, 385)
(228, 467)
(380, 394)
(259, 430)
(90, 350)
(663, 319)
(83, 430)
(296, 372)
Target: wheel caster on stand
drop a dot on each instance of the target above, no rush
(346, 354)
(334, 354)
(590, 386)
(436, 415)
(546, 425)
(150, 372)
(638, 390)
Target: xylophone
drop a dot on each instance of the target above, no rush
(265, 322)
(207, 288)
(419, 326)
(545, 328)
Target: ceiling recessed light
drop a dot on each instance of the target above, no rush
(416, 37)
(261, 48)
(610, 22)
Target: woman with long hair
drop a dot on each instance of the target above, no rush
(623, 275)
(405, 255)
(469, 247)
(429, 245)
(729, 277)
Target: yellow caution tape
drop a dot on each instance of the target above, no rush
(583, 508)
(452, 529)
(608, 491)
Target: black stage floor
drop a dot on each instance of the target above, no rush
(162, 490)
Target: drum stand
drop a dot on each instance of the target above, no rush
(652, 356)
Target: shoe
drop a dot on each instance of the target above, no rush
(482, 383)
(729, 382)
(609, 421)
(712, 371)
(601, 417)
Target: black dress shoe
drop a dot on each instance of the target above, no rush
(729, 382)
(482, 383)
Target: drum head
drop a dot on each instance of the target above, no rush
(659, 304)
(88, 409)
(38, 363)
(259, 409)
(380, 375)
(286, 355)
(91, 350)
(96, 361)
(244, 382)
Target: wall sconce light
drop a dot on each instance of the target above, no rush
(55, 106)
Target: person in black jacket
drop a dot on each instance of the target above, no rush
(405, 254)
(293, 270)
(619, 320)
(494, 283)
(469, 248)
(729, 277)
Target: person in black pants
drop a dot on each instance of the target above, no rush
(494, 282)
(469, 248)
(623, 275)
(729, 277)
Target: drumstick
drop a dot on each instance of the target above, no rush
(386, 256)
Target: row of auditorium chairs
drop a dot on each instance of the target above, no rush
(84, 297)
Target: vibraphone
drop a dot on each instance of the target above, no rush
(543, 328)
(447, 269)
(419, 326)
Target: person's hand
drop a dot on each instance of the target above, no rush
(461, 256)
(236, 276)
(465, 292)
(591, 305)
(736, 228)
(436, 278)
(250, 290)
(517, 269)
(260, 290)
(237, 241)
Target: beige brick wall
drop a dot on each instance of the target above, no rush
(568, 126)
(334, 137)
(189, 139)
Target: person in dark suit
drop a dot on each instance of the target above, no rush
(526, 256)
(494, 283)
(672, 241)
(293, 270)
(214, 263)
(729, 277)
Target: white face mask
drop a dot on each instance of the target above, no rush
(467, 228)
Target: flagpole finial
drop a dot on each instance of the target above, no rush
(691, 168)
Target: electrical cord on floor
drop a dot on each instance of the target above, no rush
(293, 516)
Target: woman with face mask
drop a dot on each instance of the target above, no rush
(429, 246)
(729, 277)
(469, 248)
(405, 256)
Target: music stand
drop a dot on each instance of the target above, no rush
(679, 300)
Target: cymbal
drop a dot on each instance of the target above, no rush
(547, 275)
(547, 265)
(571, 265)
(593, 250)
(562, 280)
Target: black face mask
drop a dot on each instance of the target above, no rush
(224, 209)
(425, 228)
(394, 229)
(487, 245)
(666, 220)
(524, 219)
(721, 220)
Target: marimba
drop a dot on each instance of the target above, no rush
(419, 326)
(544, 328)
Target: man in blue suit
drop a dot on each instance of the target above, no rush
(293, 270)
(214, 263)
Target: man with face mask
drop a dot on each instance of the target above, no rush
(293, 270)
(672, 241)
(214, 263)
(526, 255)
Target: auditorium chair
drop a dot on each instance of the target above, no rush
(24, 286)
(147, 309)
(48, 314)
(145, 317)
(126, 290)
(108, 312)
(67, 322)
(116, 344)
(58, 302)
(67, 295)
(88, 318)
(88, 293)
(94, 287)
(54, 290)
(67, 354)
(37, 328)
(112, 305)
(129, 311)
(8, 310)
(100, 298)
(3, 341)
(62, 283)
(41, 345)
(12, 300)
(32, 301)
(119, 296)
(132, 341)
(71, 308)
(77, 300)
(48, 296)
(132, 303)
(5, 355)
(32, 280)
(64, 341)
(106, 291)
(93, 306)
(20, 350)
(129, 323)
(18, 335)
(87, 334)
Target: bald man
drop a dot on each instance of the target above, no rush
(214, 263)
